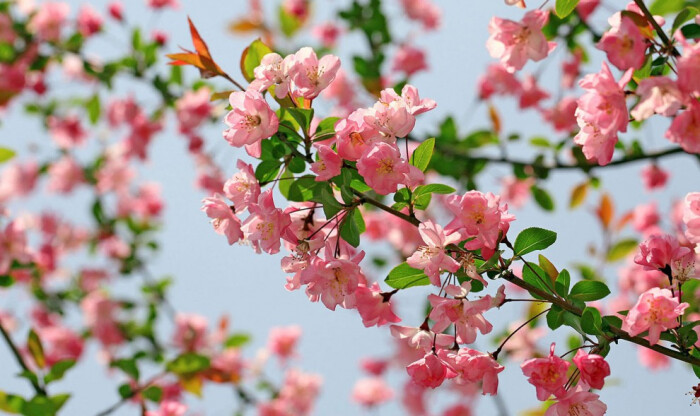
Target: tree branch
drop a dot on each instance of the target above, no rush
(667, 42)
(20, 360)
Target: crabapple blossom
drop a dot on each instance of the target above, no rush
(658, 95)
(424, 11)
(66, 132)
(282, 341)
(274, 70)
(653, 360)
(409, 60)
(562, 116)
(116, 10)
(593, 368)
(242, 188)
(354, 136)
(531, 94)
(371, 392)
(473, 366)
(432, 258)
(687, 66)
(516, 42)
(577, 402)
(312, 75)
(467, 316)
(223, 218)
(99, 316)
(333, 281)
(654, 177)
(160, 4)
(328, 165)
(393, 119)
(515, 191)
(374, 307)
(383, 168)
(548, 375)
(685, 128)
(168, 408)
(265, 225)
(430, 371)
(410, 97)
(624, 45)
(691, 216)
(190, 332)
(193, 109)
(498, 80)
(479, 215)
(250, 120)
(601, 113)
(421, 339)
(89, 21)
(659, 251)
(645, 218)
(64, 175)
(656, 310)
(49, 20)
(327, 33)
(60, 343)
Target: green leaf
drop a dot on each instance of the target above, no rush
(125, 391)
(153, 393)
(302, 189)
(621, 249)
(561, 286)
(682, 17)
(691, 31)
(252, 55)
(555, 317)
(534, 275)
(58, 370)
(128, 366)
(589, 290)
(36, 349)
(564, 8)
(542, 197)
(349, 229)
(433, 188)
(6, 154)
(331, 206)
(532, 239)
(11, 403)
(237, 340)
(267, 170)
(188, 364)
(302, 116)
(591, 322)
(404, 276)
(423, 153)
(665, 7)
(289, 23)
(93, 108)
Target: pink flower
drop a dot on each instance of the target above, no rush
(296, 8)
(266, 224)
(654, 177)
(99, 313)
(548, 375)
(193, 109)
(563, 115)
(571, 69)
(273, 70)
(409, 60)
(250, 121)
(593, 368)
(653, 360)
(333, 281)
(601, 113)
(659, 251)
(658, 95)
(687, 65)
(424, 11)
(89, 21)
(624, 45)
(467, 316)
(49, 20)
(481, 216)
(374, 307)
(354, 136)
(585, 8)
(516, 191)
(372, 392)
(190, 332)
(410, 98)
(498, 80)
(516, 42)
(577, 402)
(312, 75)
(160, 37)
(393, 119)
(160, 4)
(60, 343)
(223, 218)
(531, 94)
(656, 310)
(116, 10)
(19, 179)
(421, 339)
(373, 366)
(432, 258)
(283, 341)
(168, 408)
(64, 175)
(383, 168)
(66, 132)
(691, 216)
(638, 279)
(430, 371)
(327, 33)
(645, 217)
(328, 164)
(242, 188)
(473, 366)
(685, 128)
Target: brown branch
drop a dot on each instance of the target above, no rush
(20, 360)
(667, 42)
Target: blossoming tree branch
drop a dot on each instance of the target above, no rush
(317, 182)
